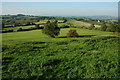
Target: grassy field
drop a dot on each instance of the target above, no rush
(33, 55)
(26, 27)
(80, 23)
(16, 28)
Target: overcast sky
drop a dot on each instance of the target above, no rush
(61, 8)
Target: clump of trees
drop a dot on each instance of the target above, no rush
(51, 29)
(72, 33)
(110, 27)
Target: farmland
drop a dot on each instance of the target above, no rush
(59, 40)
(33, 55)
(28, 53)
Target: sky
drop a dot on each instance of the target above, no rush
(60, 0)
(61, 8)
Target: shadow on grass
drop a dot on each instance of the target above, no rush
(79, 36)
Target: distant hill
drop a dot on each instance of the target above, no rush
(101, 17)
(94, 17)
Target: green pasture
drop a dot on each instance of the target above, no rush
(80, 23)
(38, 35)
(16, 28)
(44, 21)
(31, 55)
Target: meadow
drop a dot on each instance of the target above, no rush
(81, 23)
(33, 55)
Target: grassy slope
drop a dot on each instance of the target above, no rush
(31, 54)
(16, 28)
(80, 23)
(37, 35)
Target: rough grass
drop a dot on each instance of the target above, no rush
(33, 55)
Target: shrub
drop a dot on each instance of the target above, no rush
(72, 33)
(51, 29)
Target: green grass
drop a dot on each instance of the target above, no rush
(33, 55)
(26, 27)
(16, 28)
(44, 21)
(80, 23)
(37, 35)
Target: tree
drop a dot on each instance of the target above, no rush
(51, 29)
(72, 33)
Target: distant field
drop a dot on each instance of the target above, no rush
(44, 21)
(37, 35)
(73, 22)
(80, 23)
(16, 28)
(26, 27)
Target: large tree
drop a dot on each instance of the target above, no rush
(51, 29)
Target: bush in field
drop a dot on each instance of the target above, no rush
(51, 29)
(72, 33)
(91, 26)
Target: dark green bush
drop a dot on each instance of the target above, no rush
(51, 29)
(72, 33)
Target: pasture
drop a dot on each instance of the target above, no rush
(80, 23)
(33, 55)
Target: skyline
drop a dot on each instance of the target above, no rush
(61, 8)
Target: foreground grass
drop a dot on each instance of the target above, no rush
(33, 55)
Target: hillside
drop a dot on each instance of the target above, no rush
(33, 55)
